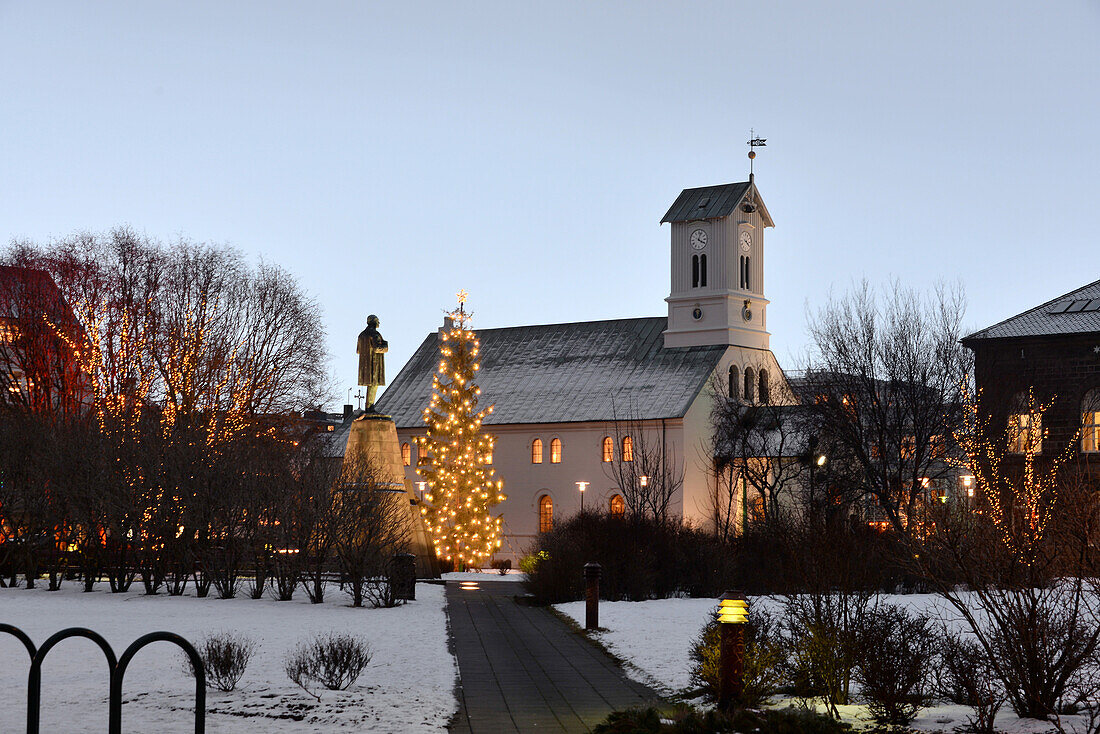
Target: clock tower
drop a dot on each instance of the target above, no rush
(717, 293)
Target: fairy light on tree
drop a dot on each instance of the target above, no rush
(462, 487)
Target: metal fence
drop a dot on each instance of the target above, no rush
(116, 667)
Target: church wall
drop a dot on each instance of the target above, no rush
(582, 451)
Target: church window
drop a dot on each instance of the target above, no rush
(555, 451)
(608, 449)
(745, 271)
(735, 382)
(694, 271)
(1090, 422)
(628, 448)
(750, 385)
(536, 451)
(406, 454)
(616, 506)
(546, 514)
(1025, 429)
(765, 390)
(703, 271)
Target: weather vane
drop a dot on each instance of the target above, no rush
(754, 142)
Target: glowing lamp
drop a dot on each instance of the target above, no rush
(733, 610)
(821, 460)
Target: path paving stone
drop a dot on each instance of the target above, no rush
(523, 670)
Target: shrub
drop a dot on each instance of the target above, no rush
(502, 566)
(965, 677)
(225, 655)
(763, 661)
(894, 663)
(687, 721)
(332, 660)
(642, 558)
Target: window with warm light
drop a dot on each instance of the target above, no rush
(546, 514)
(555, 451)
(1090, 422)
(750, 385)
(1025, 432)
(406, 454)
(536, 451)
(628, 448)
(616, 506)
(735, 382)
(608, 450)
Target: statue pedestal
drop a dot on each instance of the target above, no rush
(376, 436)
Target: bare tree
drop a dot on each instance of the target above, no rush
(884, 386)
(645, 467)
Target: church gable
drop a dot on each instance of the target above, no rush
(564, 373)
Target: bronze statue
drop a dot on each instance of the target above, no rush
(372, 369)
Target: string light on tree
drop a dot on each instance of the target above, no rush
(461, 485)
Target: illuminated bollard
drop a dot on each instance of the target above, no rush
(592, 596)
(733, 612)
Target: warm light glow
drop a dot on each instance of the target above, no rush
(733, 611)
(582, 486)
(821, 460)
(643, 481)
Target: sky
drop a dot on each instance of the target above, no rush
(391, 154)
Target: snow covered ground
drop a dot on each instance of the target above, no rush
(654, 639)
(512, 575)
(407, 687)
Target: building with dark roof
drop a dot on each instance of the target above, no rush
(573, 403)
(1054, 350)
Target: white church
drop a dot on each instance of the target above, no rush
(583, 409)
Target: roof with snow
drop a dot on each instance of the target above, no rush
(1076, 312)
(564, 373)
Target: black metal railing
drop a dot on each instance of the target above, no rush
(116, 668)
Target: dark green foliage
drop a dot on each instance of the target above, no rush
(687, 721)
(642, 558)
(764, 658)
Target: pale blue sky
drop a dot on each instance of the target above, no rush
(390, 154)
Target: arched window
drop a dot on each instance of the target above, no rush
(616, 506)
(750, 385)
(555, 451)
(1090, 422)
(546, 514)
(703, 271)
(608, 449)
(745, 272)
(765, 392)
(628, 448)
(694, 271)
(406, 454)
(1025, 429)
(536, 451)
(735, 382)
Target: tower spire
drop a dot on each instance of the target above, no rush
(754, 142)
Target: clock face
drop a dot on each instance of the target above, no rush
(698, 239)
(746, 242)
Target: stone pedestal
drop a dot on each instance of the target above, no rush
(376, 436)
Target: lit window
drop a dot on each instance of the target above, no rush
(616, 506)
(1025, 432)
(1090, 422)
(765, 391)
(735, 382)
(908, 447)
(966, 484)
(546, 514)
(555, 451)
(750, 385)
(536, 451)
(628, 448)
(406, 454)
(608, 449)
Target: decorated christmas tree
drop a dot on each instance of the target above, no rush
(457, 456)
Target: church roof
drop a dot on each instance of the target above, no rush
(706, 202)
(1076, 312)
(564, 373)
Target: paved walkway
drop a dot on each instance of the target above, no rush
(524, 670)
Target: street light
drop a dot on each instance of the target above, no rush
(821, 460)
(582, 486)
(733, 613)
(643, 481)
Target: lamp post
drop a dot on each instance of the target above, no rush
(733, 612)
(582, 486)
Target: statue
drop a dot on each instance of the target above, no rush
(372, 369)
